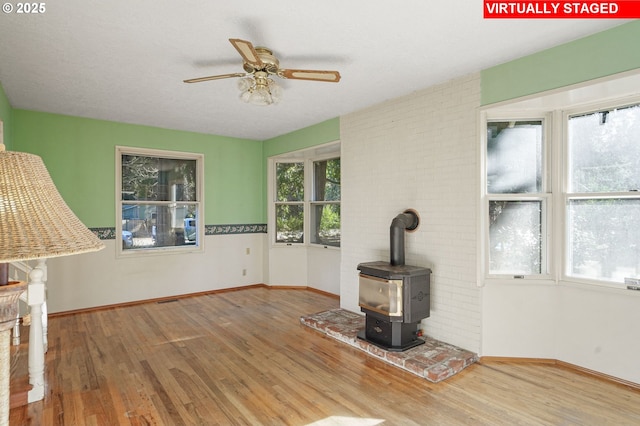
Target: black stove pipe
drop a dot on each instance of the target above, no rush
(408, 220)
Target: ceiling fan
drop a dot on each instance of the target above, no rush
(260, 64)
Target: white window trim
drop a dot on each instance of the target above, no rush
(197, 248)
(306, 156)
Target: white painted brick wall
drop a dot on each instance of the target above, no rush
(419, 151)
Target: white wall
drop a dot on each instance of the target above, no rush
(287, 265)
(519, 320)
(304, 265)
(419, 152)
(593, 327)
(324, 269)
(597, 329)
(99, 279)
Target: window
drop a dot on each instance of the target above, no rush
(306, 199)
(325, 207)
(159, 200)
(289, 202)
(588, 168)
(517, 202)
(603, 202)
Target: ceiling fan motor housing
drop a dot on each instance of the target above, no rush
(269, 62)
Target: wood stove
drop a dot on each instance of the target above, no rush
(394, 297)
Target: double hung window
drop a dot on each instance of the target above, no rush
(325, 206)
(289, 204)
(517, 200)
(602, 198)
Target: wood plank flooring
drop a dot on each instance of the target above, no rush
(243, 358)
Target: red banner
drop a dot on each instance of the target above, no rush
(622, 9)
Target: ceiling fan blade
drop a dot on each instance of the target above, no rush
(331, 76)
(247, 51)
(215, 77)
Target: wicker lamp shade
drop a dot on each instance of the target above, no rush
(35, 222)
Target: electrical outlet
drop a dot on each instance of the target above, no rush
(248, 250)
(244, 272)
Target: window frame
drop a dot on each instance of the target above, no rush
(545, 196)
(275, 202)
(565, 196)
(307, 156)
(313, 202)
(198, 247)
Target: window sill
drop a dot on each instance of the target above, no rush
(597, 285)
(512, 282)
(322, 247)
(171, 251)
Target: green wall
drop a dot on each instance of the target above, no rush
(5, 116)
(609, 52)
(327, 131)
(80, 156)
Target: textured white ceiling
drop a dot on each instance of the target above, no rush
(125, 60)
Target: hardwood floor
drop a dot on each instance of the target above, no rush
(243, 358)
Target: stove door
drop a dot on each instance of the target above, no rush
(380, 295)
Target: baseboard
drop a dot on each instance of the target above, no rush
(187, 295)
(322, 292)
(314, 290)
(489, 359)
(285, 287)
(567, 365)
(600, 375)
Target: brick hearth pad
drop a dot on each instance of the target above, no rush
(435, 360)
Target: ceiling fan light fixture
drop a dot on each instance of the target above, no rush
(259, 90)
(275, 90)
(245, 96)
(260, 96)
(245, 84)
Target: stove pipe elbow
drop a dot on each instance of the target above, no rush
(408, 220)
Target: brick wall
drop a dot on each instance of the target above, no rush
(419, 151)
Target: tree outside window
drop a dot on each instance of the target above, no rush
(289, 203)
(325, 208)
